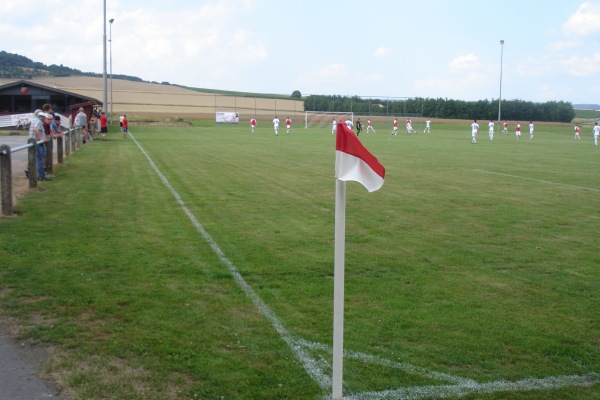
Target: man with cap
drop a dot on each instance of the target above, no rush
(36, 131)
(55, 130)
(82, 122)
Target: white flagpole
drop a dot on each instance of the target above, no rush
(338, 288)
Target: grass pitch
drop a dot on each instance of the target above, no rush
(473, 272)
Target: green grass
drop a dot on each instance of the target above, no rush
(587, 114)
(476, 261)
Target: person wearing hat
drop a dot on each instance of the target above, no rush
(82, 122)
(55, 130)
(36, 131)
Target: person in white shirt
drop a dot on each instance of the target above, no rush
(596, 133)
(427, 126)
(530, 130)
(474, 130)
(276, 125)
(349, 123)
(491, 131)
(334, 127)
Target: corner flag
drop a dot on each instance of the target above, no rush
(353, 162)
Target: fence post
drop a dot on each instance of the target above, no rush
(59, 150)
(67, 136)
(49, 161)
(6, 180)
(73, 140)
(79, 140)
(32, 163)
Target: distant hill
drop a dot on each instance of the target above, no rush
(586, 106)
(15, 66)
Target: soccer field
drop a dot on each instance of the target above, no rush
(472, 273)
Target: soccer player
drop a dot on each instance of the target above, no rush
(409, 128)
(334, 127)
(596, 133)
(474, 130)
(518, 130)
(491, 130)
(577, 130)
(288, 124)
(370, 126)
(530, 130)
(125, 127)
(427, 126)
(276, 125)
(349, 123)
(395, 127)
(253, 124)
(505, 127)
(358, 127)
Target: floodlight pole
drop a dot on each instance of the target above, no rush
(104, 67)
(500, 98)
(111, 86)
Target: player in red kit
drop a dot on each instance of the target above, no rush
(288, 124)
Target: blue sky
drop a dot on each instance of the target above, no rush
(380, 48)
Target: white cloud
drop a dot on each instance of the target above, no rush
(585, 21)
(582, 66)
(381, 52)
(564, 45)
(465, 62)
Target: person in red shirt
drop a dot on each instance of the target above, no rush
(505, 127)
(124, 128)
(103, 126)
(518, 130)
(288, 124)
(577, 130)
(253, 124)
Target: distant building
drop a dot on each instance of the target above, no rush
(21, 96)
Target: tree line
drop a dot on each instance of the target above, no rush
(15, 66)
(512, 110)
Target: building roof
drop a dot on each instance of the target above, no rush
(6, 84)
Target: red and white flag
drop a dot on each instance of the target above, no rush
(353, 162)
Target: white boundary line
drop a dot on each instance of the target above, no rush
(315, 367)
(537, 180)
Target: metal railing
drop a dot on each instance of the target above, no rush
(64, 148)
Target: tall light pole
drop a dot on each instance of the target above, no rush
(104, 67)
(500, 98)
(111, 91)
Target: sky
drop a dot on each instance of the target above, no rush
(375, 48)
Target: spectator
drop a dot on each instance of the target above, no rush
(103, 126)
(36, 131)
(82, 122)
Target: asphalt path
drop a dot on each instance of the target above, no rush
(19, 368)
(19, 158)
(20, 363)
